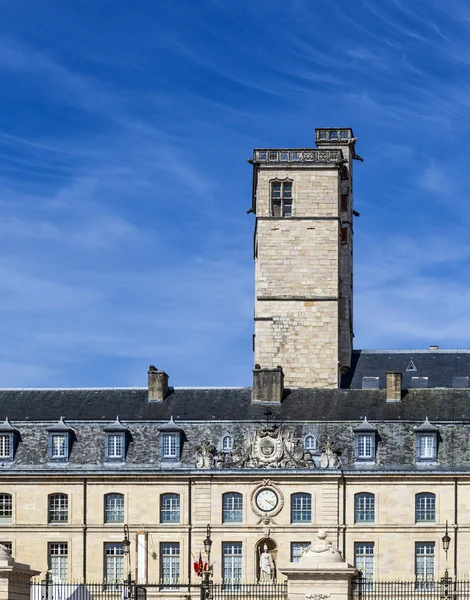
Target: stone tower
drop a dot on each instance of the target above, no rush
(302, 199)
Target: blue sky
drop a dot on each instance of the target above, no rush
(124, 133)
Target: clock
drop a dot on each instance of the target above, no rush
(266, 500)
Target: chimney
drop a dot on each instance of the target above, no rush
(158, 384)
(268, 385)
(394, 386)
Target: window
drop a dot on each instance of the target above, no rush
(323, 135)
(344, 135)
(6, 508)
(59, 561)
(419, 382)
(364, 446)
(310, 443)
(169, 508)
(344, 202)
(426, 446)
(425, 507)
(227, 443)
(232, 508)
(58, 446)
(297, 549)
(459, 382)
(333, 135)
(170, 445)
(364, 508)
(344, 234)
(7, 545)
(231, 563)
(301, 508)
(364, 561)
(115, 446)
(6, 445)
(58, 508)
(113, 562)
(281, 199)
(114, 508)
(170, 564)
(370, 383)
(424, 565)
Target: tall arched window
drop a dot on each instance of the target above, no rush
(58, 508)
(310, 443)
(227, 443)
(425, 507)
(114, 508)
(169, 508)
(364, 508)
(232, 508)
(6, 508)
(301, 508)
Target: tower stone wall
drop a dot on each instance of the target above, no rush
(303, 303)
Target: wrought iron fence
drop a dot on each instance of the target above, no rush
(110, 591)
(364, 589)
(245, 591)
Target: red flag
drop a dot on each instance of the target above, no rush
(199, 566)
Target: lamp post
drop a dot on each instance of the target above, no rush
(126, 546)
(446, 580)
(207, 550)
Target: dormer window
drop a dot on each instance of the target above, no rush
(426, 442)
(9, 436)
(365, 441)
(170, 441)
(281, 198)
(227, 443)
(60, 440)
(116, 436)
(310, 443)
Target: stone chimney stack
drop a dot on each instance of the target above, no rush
(268, 384)
(158, 384)
(394, 386)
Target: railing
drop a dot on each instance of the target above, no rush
(298, 155)
(411, 590)
(111, 591)
(246, 591)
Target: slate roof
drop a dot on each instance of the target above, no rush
(231, 404)
(440, 366)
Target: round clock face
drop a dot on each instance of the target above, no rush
(266, 500)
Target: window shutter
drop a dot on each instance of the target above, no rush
(67, 444)
(418, 452)
(178, 446)
(434, 445)
(356, 445)
(106, 445)
(49, 445)
(372, 445)
(123, 445)
(162, 435)
(12, 444)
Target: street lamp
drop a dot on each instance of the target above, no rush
(207, 550)
(446, 541)
(126, 546)
(446, 581)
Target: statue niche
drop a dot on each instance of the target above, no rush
(266, 554)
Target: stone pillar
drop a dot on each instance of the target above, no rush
(15, 577)
(320, 574)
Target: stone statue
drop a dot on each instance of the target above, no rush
(329, 457)
(205, 455)
(266, 566)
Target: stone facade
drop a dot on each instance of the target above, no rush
(303, 275)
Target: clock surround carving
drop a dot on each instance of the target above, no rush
(266, 517)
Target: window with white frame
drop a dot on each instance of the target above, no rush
(170, 564)
(6, 445)
(426, 446)
(169, 508)
(301, 508)
(58, 561)
(114, 508)
(113, 562)
(59, 446)
(425, 507)
(281, 199)
(232, 508)
(310, 443)
(232, 563)
(58, 508)
(424, 565)
(364, 562)
(297, 549)
(227, 443)
(364, 508)
(170, 445)
(115, 446)
(6, 508)
(364, 448)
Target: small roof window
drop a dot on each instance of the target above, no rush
(419, 382)
(460, 382)
(370, 383)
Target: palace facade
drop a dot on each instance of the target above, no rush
(373, 445)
